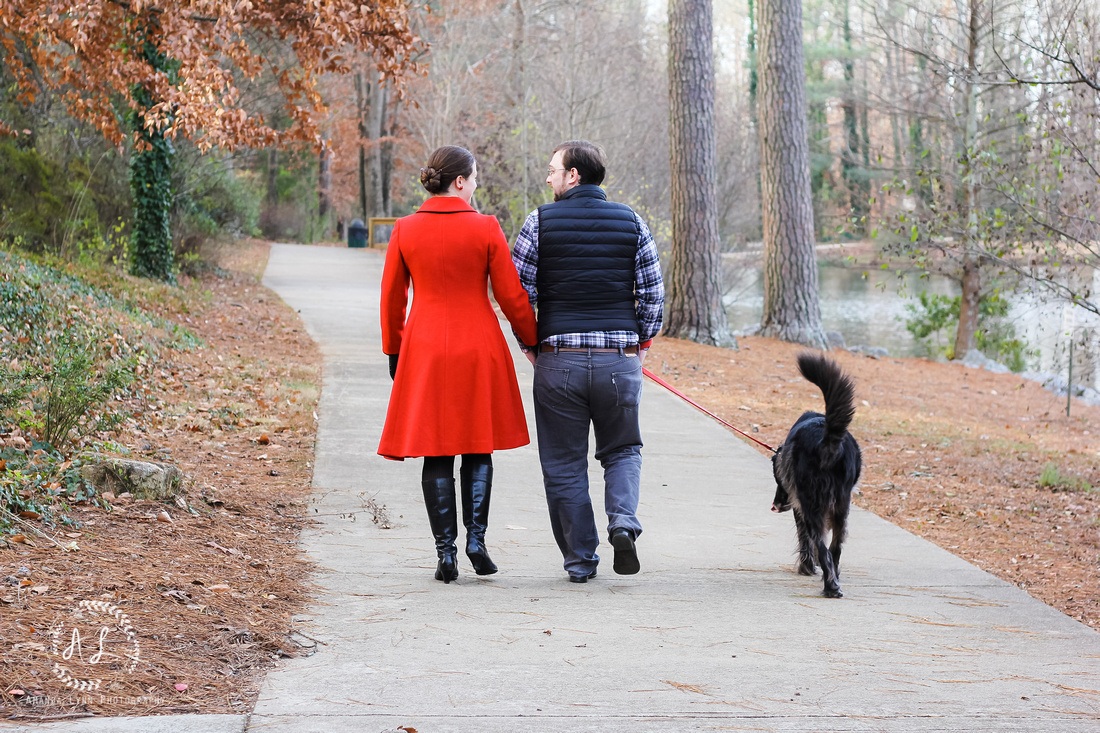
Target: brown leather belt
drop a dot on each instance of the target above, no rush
(543, 348)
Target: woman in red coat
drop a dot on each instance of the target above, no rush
(454, 390)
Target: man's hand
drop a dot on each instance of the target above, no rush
(531, 356)
(641, 356)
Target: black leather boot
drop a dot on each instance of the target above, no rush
(439, 498)
(477, 486)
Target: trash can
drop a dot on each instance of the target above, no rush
(357, 233)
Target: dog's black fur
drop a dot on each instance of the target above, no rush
(816, 469)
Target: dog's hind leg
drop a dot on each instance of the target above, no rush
(840, 529)
(805, 546)
(828, 571)
(814, 527)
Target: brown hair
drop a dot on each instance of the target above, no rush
(586, 157)
(445, 164)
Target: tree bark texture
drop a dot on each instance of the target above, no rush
(966, 336)
(694, 311)
(791, 310)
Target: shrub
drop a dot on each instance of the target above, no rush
(935, 316)
(78, 384)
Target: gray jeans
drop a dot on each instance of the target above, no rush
(573, 390)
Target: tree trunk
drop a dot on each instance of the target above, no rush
(966, 336)
(695, 310)
(151, 181)
(374, 163)
(791, 310)
(272, 176)
(361, 109)
(324, 188)
(849, 158)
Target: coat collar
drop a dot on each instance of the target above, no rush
(445, 205)
(585, 190)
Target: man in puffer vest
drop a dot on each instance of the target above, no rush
(593, 274)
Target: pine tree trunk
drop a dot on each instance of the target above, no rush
(695, 310)
(791, 310)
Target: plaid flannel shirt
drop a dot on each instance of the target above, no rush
(649, 290)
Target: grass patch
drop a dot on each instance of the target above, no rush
(1053, 478)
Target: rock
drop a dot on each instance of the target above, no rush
(876, 352)
(142, 479)
(834, 339)
(977, 360)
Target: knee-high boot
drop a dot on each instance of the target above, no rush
(439, 498)
(477, 486)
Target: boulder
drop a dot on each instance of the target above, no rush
(143, 479)
(977, 360)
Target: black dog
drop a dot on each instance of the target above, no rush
(816, 469)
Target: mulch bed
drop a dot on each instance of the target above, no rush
(210, 593)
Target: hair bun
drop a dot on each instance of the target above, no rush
(431, 179)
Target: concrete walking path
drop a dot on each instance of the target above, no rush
(716, 633)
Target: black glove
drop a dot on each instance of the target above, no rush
(393, 365)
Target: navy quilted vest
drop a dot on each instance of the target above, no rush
(585, 280)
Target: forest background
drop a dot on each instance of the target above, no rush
(929, 124)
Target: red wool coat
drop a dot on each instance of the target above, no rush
(455, 390)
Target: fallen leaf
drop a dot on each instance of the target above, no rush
(180, 687)
(28, 514)
(16, 692)
(25, 583)
(40, 589)
(163, 517)
(73, 535)
(7, 599)
(220, 588)
(263, 439)
(3, 465)
(18, 539)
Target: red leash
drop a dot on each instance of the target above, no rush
(697, 406)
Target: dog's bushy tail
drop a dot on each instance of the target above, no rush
(839, 393)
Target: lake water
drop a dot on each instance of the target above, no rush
(869, 308)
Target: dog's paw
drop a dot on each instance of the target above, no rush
(806, 568)
(833, 592)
